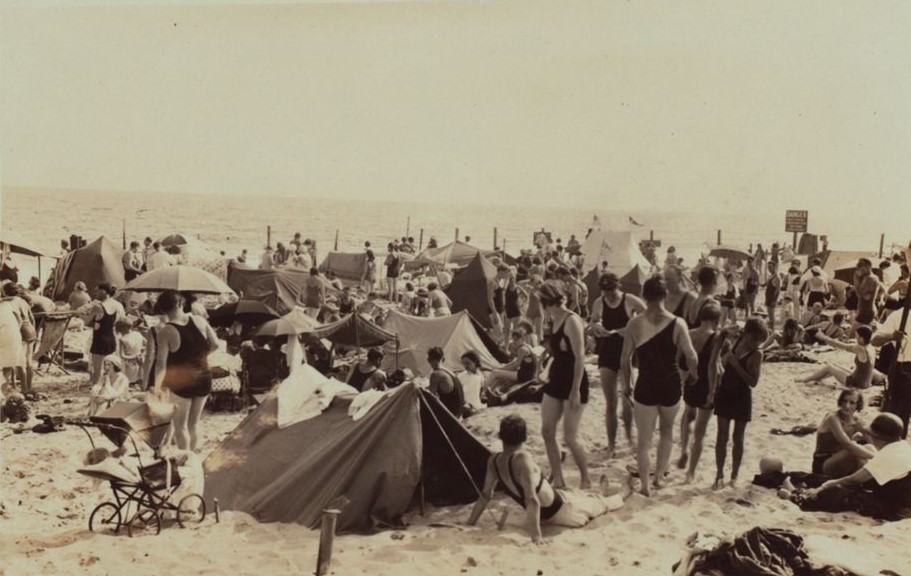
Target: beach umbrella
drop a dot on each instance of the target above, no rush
(180, 278)
(729, 253)
(249, 312)
(173, 240)
(294, 322)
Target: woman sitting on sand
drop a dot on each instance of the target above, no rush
(864, 357)
(514, 470)
(837, 453)
(521, 369)
(472, 380)
(790, 337)
(440, 304)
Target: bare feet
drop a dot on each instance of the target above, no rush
(585, 483)
(682, 462)
(604, 484)
(689, 478)
(609, 453)
(733, 482)
(719, 483)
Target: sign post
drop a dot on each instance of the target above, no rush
(796, 221)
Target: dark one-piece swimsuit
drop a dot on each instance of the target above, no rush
(547, 512)
(697, 394)
(734, 399)
(562, 368)
(659, 381)
(610, 347)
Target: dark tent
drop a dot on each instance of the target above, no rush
(376, 463)
(348, 267)
(470, 289)
(631, 283)
(354, 330)
(495, 350)
(281, 289)
(809, 244)
(456, 253)
(100, 261)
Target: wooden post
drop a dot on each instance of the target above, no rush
(457, 235)
(651, 235)
(882, 240)
(504, 246)
(719, 238)
(421, 241)
(124, 229)
(326, 539)
(494, 237)
(268, 235)
(336, 240)
(794, 244)
(408, 228)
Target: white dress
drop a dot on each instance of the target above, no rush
(11, 349)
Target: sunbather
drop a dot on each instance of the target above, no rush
(516, 471)
(837, 453)
(521, 369)
(864, 357)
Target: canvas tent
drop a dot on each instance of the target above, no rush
(376, 463)
(619, 249)
(349, 267)
(455, 334)
(834, 260)
(470, 289)
(279, 289)
(456, 253)
(100, 261)
(631, 283)
(354, 330)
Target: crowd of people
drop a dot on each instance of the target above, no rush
(691, 339)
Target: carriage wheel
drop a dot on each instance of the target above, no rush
(147, 522)
(191, 510)
(105, 518)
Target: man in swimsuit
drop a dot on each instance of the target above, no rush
(610, 314)
(515, 470)
(866, 286)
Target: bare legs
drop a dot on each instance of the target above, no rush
(721, 448)
(771, 312)
(187, 413)
(97, 363)
(646, 416)
(840, 374)
(702, 422)
(609, 380)
(552, 409)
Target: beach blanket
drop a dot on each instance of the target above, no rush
(801, 480)
(757, 552)
(889, 502)
(795, 431)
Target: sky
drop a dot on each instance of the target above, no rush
(641, 105)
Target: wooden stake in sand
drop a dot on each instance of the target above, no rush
(495, 238)
(336, 240)
(326, 540)
(457, 235)
(421, 242)
(268, 235)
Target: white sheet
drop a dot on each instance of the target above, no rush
(305, 394)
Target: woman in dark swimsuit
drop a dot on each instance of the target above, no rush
(708, 285)
(367, 375)
(566, 391)
(837, 454)
(698, 395)
(103, 317)
(734, 397)
(656, 337)
(679, 299)
(511, 310)
(515, 471)
(182, 366)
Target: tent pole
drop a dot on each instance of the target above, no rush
(326, 539)
(421, 242)
(396, 352)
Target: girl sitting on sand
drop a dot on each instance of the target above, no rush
(130, 348)
(522, 369)
(864, 357)
(734, 398)
(837, 454)
(790, 337)
(114, 385)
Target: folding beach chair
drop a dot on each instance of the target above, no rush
(50, 344)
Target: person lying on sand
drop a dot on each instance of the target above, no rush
(515, 470)
(864, 357)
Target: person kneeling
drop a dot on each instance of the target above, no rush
(515, 470)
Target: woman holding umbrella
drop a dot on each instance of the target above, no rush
(181, 366)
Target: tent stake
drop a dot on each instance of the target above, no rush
(326, 540)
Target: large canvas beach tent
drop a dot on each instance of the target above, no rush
(280, 289)
(456, 253)
(377, 464)
(620, 250)
(455, 334)
(470, 288)
(834, 260)
(354, 330)
(348, 266)
(100, 261)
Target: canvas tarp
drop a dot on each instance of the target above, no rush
(470, 289)
(100, 261)
(619, 249)
(834, 260)
(280, 290)
(349, 267)
(375, 463)
(457, 253)
(354, 330)
(455, 334)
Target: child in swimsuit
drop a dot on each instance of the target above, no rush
(734, 398)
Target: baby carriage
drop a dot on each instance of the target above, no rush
(143, 493)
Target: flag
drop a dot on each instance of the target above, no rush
(633, 222)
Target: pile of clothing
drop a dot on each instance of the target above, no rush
(757, 552)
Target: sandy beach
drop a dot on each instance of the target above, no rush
(48, 502)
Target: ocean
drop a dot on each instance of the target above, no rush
(231, 223)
